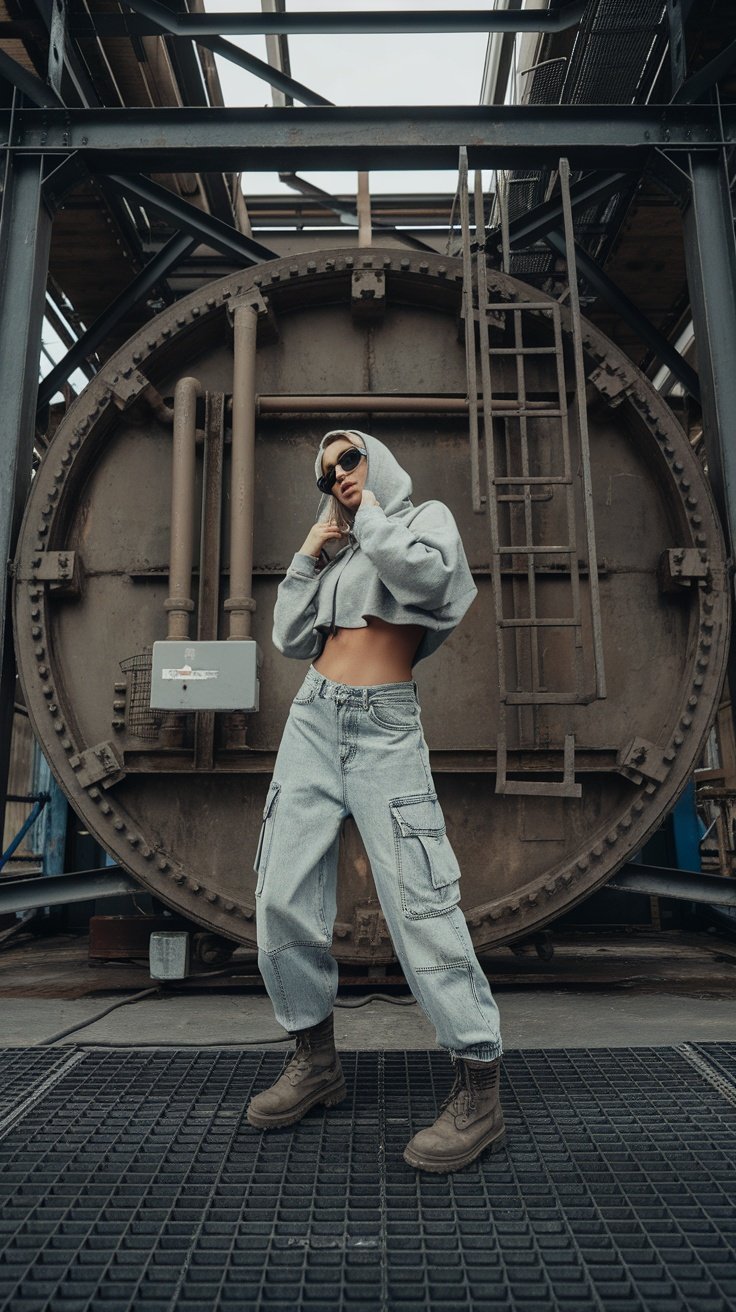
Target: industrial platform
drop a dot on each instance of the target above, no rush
(131, 1182)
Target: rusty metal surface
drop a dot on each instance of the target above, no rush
(182, 811)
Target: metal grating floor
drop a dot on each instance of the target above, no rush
(133, 1183)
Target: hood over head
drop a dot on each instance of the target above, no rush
(386, 479)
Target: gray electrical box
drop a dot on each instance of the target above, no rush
(205, 676)
(168, 954)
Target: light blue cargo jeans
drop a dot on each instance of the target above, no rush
(361, 751)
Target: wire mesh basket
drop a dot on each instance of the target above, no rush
(140, 720)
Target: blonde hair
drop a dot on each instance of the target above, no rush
(337, 513)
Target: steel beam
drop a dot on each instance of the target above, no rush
(678, 53)
(710, 255)
(180, 213)
(25, 239)
(707, 77)
(162, 21)
(283, 82)
(686, 885)
(157, 268)
(516, 136)
(62, 890)
(349, 211)
(638, 322)
(31, 86)
(345, 21)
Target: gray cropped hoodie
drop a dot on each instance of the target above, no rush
(403, 563)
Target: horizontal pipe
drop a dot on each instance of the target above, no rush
(383, 403)
(151, 16)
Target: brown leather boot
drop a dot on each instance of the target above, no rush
(470, 1121)
(313, 1075)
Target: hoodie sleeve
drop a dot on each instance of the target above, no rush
(421, 563)
(296, 610)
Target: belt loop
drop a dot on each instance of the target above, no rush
(365, 699)
(414, 686)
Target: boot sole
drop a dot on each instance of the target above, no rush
(329, 1097)
(456, 1163)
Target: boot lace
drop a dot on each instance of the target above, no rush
(462, 1091)
(467, 1084)
(298, 1060)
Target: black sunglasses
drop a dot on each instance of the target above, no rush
(349, 459)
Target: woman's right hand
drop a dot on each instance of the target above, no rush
(318, 535)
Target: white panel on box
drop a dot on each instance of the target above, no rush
(205, 676)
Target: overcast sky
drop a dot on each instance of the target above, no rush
(443, 68)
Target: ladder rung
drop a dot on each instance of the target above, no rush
(539, 624)
(529, 414)
(552, 308)
(536, 480)
(528, 550)
(545, 699)
(524, 350)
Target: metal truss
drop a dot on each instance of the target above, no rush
(228, 140)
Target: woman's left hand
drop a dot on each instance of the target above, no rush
(368, 499)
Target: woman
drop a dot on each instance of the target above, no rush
(353, 745)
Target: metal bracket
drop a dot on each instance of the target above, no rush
(643, 760)
(60, 569)
(367, 295)
(101, 764)
(263, 307)
(612, 382)
(681, 567)
(127, 386)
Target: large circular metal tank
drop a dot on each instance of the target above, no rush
(179, 804)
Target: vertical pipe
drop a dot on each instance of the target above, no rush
(240, 603)
(365, 226)
(25, 239)
(179, 603)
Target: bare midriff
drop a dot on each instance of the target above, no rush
(379, 653)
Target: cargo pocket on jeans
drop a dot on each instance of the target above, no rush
(264, 838)
(427, 867)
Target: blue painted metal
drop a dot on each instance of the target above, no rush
(50, 834)
(27, 823)
(687, 831)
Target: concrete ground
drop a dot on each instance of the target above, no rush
(530, 1018)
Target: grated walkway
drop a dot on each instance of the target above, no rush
(130, 1181)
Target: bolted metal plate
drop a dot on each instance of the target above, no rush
(177, 798)
(137, 1185)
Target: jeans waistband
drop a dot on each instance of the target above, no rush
(344, 692)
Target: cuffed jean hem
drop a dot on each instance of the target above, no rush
(479, 1052)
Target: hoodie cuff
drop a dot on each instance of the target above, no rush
(303, 565)
(364, 515)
